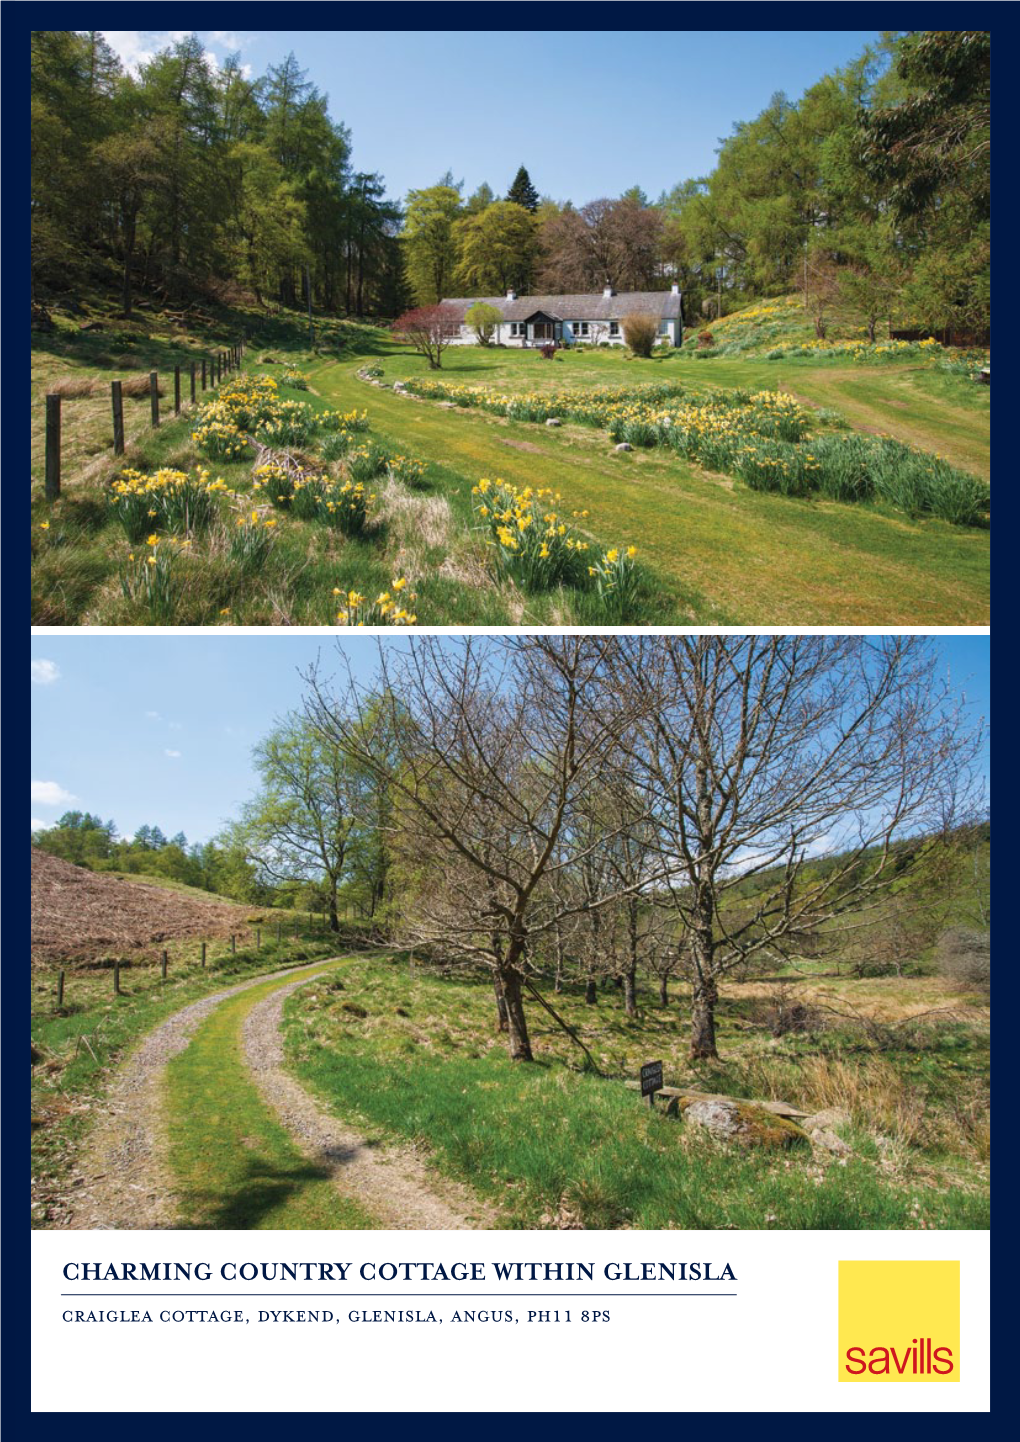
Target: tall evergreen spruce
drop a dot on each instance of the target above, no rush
(522, 192)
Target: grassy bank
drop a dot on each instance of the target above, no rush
(554, 1145)
(710, 550)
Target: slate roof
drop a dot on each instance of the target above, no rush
(660, 303)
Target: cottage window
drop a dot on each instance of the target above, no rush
(580, 327)
(614, 327)
(664, 327)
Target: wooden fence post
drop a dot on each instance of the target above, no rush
(117, 401)
(203, 372)
(233, 942)
(52, 447)
(60, 992)
(116, 978)
(154, 395)
(203, 953)
(177, 390)
(258, 938)
(192, 382)
(162, 967)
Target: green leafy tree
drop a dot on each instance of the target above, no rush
(429, 241)
(483, 320)
(299, 825)
(497, 248)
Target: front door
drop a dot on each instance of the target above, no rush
(543, 330)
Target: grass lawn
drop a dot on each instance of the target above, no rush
(554, 1145)
(711, 550)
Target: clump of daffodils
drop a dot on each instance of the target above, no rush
(532, 543)
(165, 499)
(389, 608)
(252, 539)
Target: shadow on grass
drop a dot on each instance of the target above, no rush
(257, 1190)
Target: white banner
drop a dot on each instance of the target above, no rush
(364, 1322)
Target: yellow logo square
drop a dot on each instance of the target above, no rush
(899, 1321)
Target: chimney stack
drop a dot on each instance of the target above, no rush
(607, 291)
(674, 289)
(511, 294)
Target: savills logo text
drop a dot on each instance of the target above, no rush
(920, 1359)
(880, 1305)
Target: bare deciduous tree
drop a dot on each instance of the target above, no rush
(762, 756)
(489, 748)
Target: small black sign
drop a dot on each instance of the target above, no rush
(651, 1078)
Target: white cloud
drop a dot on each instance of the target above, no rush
(38, 825)
(153, 716)
(173, 754)
(51, 793)
(175, 726)
(135, 48)
(44, 673)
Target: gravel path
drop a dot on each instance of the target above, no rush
(123, 1180)
(391, 1182)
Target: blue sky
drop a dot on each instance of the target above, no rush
(159, 729)
(590, 113)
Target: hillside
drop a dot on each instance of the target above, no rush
(78, 915)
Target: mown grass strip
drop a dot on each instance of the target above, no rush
(236, 1165)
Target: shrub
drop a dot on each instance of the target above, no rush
(963, 954)
(483, 320)
(705, 338)
(640, 331)
(547, 352)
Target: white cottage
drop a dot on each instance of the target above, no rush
(535, 320)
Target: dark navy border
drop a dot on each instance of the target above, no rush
(18, 18)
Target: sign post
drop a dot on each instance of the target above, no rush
(651, 1080)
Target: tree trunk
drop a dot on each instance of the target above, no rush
(630, 993)
(501, 1013)
(704, 997)
(664, 991)
(334, 916)
(591, 991)
(517, 1026)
